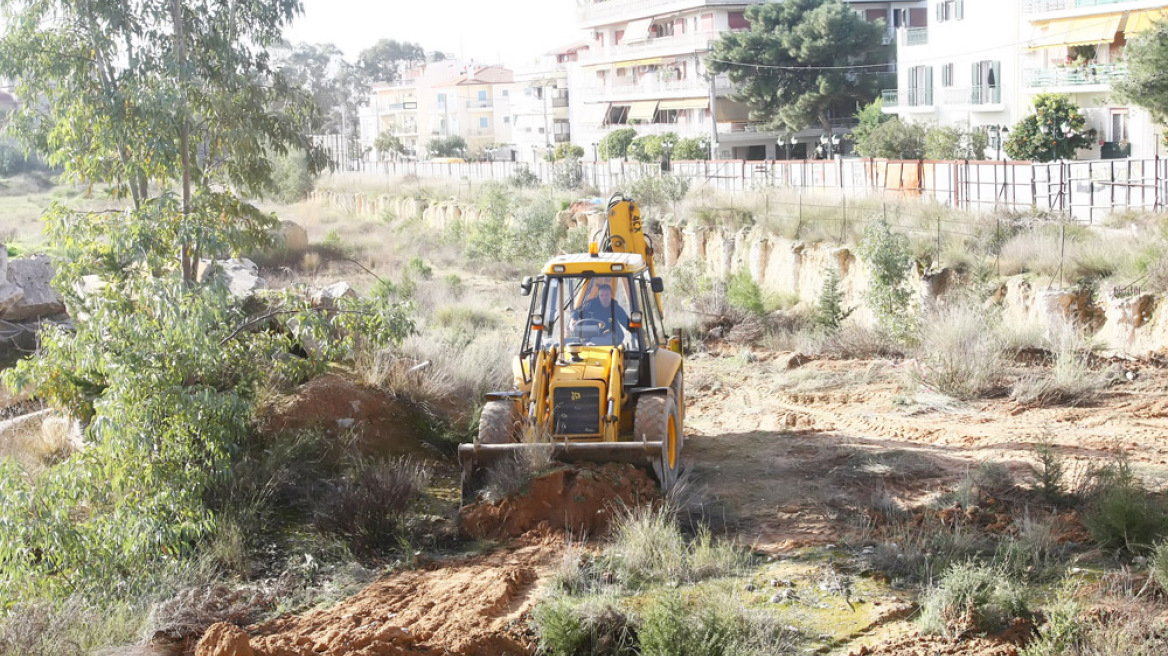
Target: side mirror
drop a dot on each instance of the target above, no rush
(657, 284)
(525, 286)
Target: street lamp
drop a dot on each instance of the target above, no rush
(999, 133)
(787, 141)
(595, 155)
(829, 143)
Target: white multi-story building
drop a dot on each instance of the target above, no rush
(978, 64)
(539, 105)
(645, 69)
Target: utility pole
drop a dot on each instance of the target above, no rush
(713, 112)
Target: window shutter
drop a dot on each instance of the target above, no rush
(928, 85)
(941, 11)
(997, 91)
(959, 10)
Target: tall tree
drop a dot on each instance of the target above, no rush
(385, 60)
(800, 59)
(337, 86)
(1054, 131)
(170, 105)
(1147, 81)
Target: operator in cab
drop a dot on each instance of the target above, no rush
(604, 313)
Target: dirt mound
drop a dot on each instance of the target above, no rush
(337, 406)
(580, 499)
(469, 608)
(224, 639)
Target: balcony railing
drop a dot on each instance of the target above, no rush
(590, 12)
(1036, 78)
(478, 104)
(972, 95)
(910, 98)
(559, 102)
(651, 47)
(1039, 6)
(916, 36)
(650, 84)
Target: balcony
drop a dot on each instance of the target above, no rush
(602, 12)
(678, 44)
(892, 98)
(651, 86)
(916, 36)
(1040, 6)
(972, 95)
(559, 102)
(1085, 76)
(562, 138)
(479, 104)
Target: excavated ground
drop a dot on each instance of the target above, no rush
(787, 452)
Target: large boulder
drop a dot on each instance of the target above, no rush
(327, 297)
(33, 277)
(242, 276)
(290, 237)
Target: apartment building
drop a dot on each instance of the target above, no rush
(645, 69)
(1076, 47)
(978, 64)
(539, 106)
(392, 108)
(476, 105)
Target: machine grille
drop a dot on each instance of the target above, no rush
(576, 411)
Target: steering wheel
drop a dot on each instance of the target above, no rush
(589, 326)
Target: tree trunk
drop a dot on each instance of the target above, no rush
(827, 132)
(189, 267)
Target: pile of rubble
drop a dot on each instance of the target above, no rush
(27, 302)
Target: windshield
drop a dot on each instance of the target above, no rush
(589, 311)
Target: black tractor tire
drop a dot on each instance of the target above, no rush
(658, 419)
(499, 423)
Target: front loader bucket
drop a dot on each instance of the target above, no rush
(477, 458)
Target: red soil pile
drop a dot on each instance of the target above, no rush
(469, 607)
(580, 499)
(337, 405)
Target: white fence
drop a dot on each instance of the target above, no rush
(1085, 190)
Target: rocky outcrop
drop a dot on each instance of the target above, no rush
(29, 288)
(242, 276)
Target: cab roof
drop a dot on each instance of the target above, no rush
(601, 264)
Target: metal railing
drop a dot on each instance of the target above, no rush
(972, 95)
(1074, 76)
(916, 36)
(676, 44)
(1038, 6)
(479, 104)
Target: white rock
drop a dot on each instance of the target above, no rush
(242, 275)
(33, 276)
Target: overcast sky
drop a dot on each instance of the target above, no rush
(513, 31)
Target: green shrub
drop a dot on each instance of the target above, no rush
(293, 177)
(829, 310)
(893, 139)
(582, 627)
(454, 285)
(366, 507)
(524, 178)
(889, 294)
(420, 268)
(743, 293)
(972, 598)
(1062, 632)
(615, 144)
(1050, 471)
(1121, 512)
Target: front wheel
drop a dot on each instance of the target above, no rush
(499, 423)
(658, 419)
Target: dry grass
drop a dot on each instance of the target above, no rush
(1070, 381)
(961, 353)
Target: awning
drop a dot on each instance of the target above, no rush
(686, 103)
(643, 111)
(595, 114)
(730, 111)
(637, 62)
(637, 31)
(1076, 31)
(1139, 22)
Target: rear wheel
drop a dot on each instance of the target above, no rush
(678, 389)
(658, 419)
(499, 423)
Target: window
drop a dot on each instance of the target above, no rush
(527, 91)
(920, 86)
(484, 122)
(663, 29)
(947, 75)
(1119, 126)
(506, 120)
(667, 116)
(506, 93)
(737, 20)
(987, 85)
(948, 10)
(482, 96)
(620, 34)
(707, 23)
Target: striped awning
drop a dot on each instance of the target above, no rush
(643, 111)
(1076, 31)
(1139, 22)
(685, 103)
(637, 31)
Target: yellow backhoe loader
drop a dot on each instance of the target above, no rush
(597, 374)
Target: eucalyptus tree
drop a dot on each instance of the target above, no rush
(171, 106)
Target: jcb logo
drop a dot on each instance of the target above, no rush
(576, 396)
